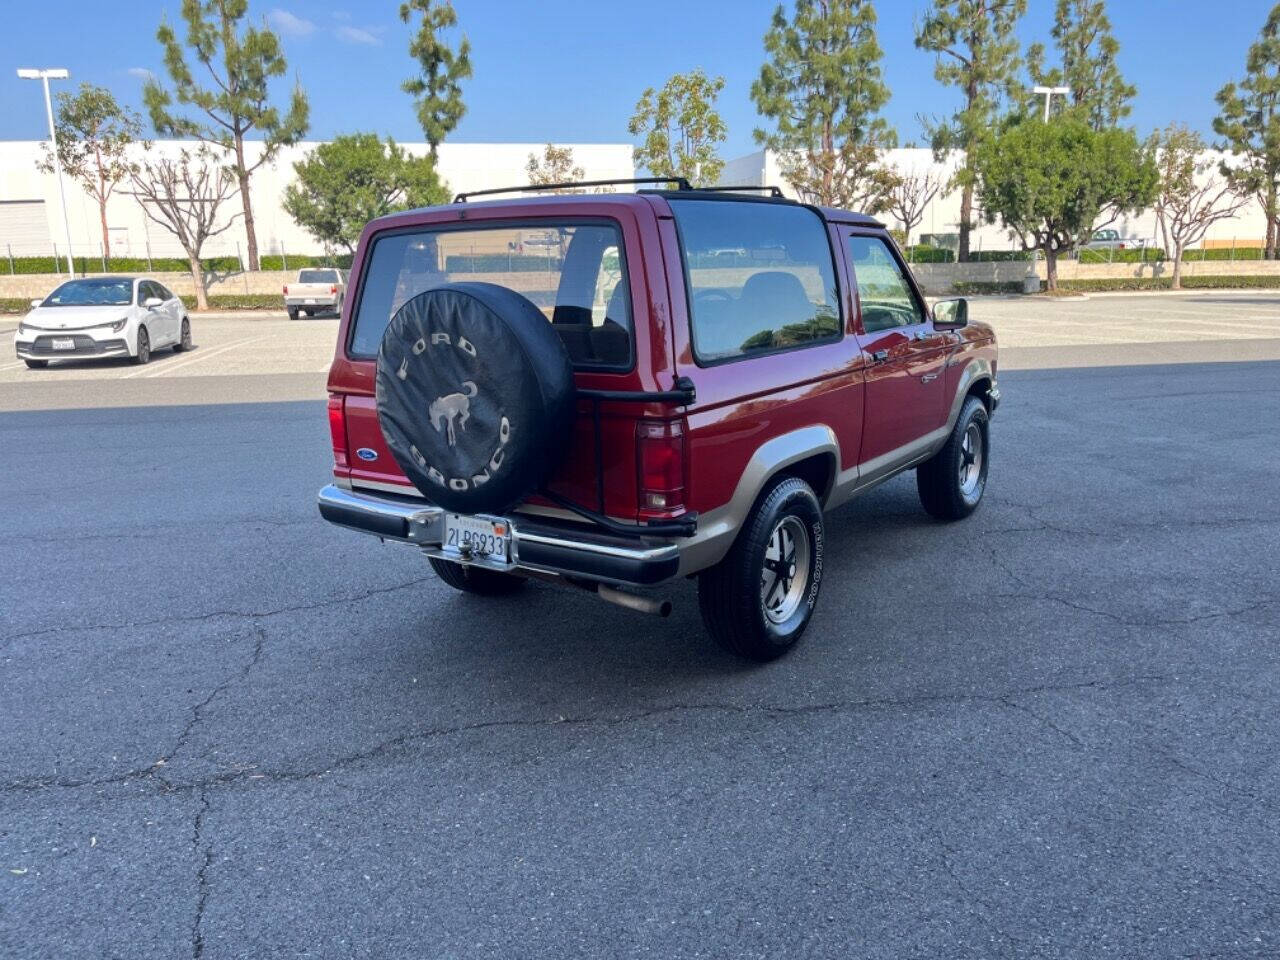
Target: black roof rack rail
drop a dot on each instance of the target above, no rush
(680, 182)
(772, 191)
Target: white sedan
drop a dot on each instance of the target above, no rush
(103, 317)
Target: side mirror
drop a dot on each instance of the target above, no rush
(152, 302)
(36, 302)
(951, 314)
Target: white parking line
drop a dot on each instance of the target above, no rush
(12, 366)
(152, 372)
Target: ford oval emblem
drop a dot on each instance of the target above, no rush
(364, 453)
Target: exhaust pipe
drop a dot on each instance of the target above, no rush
(632, 601)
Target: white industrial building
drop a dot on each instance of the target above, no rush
(31, 221)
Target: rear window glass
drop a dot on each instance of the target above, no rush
(575, 273)
(760, 277)
(318, 276)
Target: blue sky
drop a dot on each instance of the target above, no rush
(572, 72)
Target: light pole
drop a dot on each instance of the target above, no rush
(45, 76)
(1047, 93)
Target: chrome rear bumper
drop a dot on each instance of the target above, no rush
(572, 550)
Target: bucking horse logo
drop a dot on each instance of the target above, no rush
(452, 408)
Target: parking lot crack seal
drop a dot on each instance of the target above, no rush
(204, 859)
(1136, 622)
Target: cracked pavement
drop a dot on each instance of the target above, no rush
(1047, 731)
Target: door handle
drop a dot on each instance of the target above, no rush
(929, 378)
(879, 356)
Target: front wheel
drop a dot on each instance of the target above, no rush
(144, 347)
(952, 481)
(758, 600)
(184, 338)
(477, 580)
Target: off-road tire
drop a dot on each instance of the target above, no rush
(485, 583)
(35, 364)
(731, 594)
(944, 492)
(293, 312)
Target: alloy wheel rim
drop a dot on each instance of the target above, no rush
(971, 457)
(144, 347)
(785, 572)
(186, 334)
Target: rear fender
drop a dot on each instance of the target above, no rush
(717, 528)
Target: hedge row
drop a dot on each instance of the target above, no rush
(976, 288)
(1223, 253)
(921, 253)
(500, 262)
(29, 265)
(1135, 255)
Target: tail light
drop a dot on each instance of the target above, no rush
(334, 290)
(338, 428)
(660, 459)
(286, 289)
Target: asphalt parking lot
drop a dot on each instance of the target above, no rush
(1046, 731)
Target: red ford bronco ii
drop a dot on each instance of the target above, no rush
(614, 390)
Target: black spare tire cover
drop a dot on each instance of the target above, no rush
(475, 395)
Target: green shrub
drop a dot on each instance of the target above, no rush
(1222, 253)
(239, 301)
(39, 265)
(1164, 283)
(1135, 255)
(532, 263)
(1000, 256)
(924, 254)
(275, 261)
(978, 288)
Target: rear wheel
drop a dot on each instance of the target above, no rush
(951, 482)
(293, 313)
(35, 364)
(144, 347)
(477, 580)
(759, 599)
(184, 338)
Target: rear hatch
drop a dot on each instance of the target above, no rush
(580, 262)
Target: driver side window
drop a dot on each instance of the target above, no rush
(886, 296)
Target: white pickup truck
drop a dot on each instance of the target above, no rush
(317, 289)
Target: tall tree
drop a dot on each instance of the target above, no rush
(1082, 35)
(240, 62)
(555, 166)
(1249, 125)
(94, 135)
(910, 196)
(437, 88)
(681, 128)
(343, 184)
(184, 195)
(978, 53)
(1048, 183)
(822, 88)
(1191, 197)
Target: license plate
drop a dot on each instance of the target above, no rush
(313, 303)
(476, 537)
(64, 344)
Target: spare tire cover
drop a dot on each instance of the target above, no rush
(475, 396)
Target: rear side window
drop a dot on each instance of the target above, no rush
(886, 297)
(760, 277)
(575, 273)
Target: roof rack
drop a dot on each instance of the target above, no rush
(680, 182)
(772, 191)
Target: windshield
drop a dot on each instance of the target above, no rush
(318, 276)
(92, 292)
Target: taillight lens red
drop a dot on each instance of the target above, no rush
(333, 290)
(286, 290)
(338, 428)
(660, 458)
